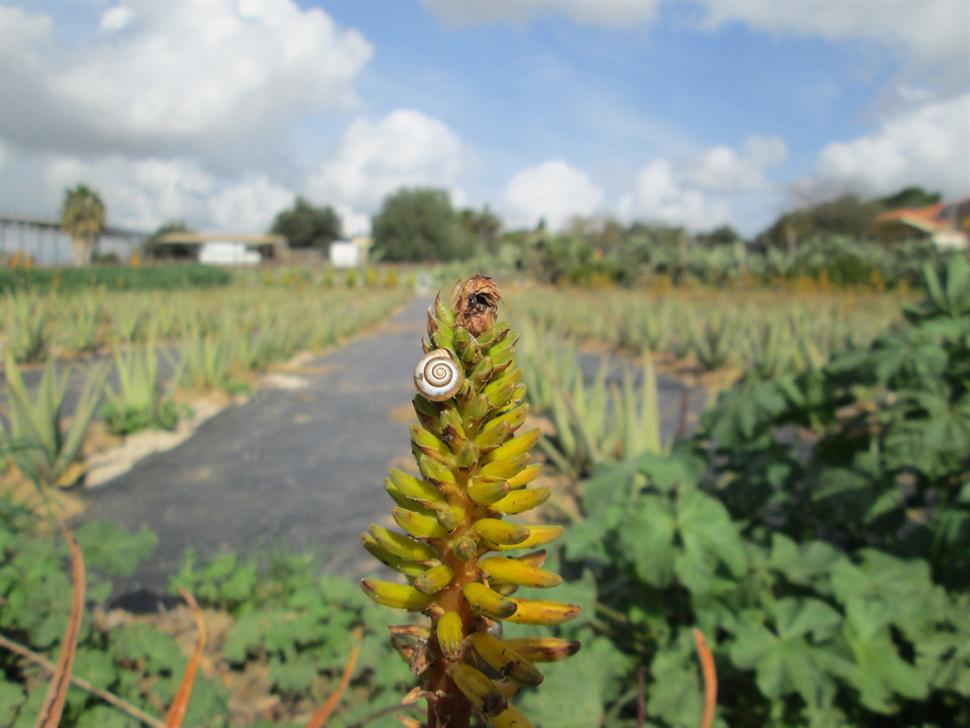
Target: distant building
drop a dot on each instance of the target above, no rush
(46, 244)
(227, 248)
(228, 253)
(349, 253)
(946, 224)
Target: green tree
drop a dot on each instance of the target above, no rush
(419, 224)
(723, 235)
(846, 215)
(910, 197)
(483, 226)
(307, 226)
(83, 217)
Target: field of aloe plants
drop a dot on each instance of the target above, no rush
(710, 329)
(814, 526)
(137, 358)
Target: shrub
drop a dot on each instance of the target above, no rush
(110, 277)
(818, 528)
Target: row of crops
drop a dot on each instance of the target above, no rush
(759, 329)
(816, 528)
(162, 348)
(265, 324)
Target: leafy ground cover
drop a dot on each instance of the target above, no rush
(278, 634)
(818, 529)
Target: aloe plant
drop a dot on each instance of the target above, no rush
(205, 361)
(127, 322)
(37, 440)
(638, 413)
(26, 328)
(474, 470)
(139, 401)
(711, 342)
(82, 323)
(594, 421)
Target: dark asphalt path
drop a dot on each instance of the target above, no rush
(301, 468)
(298, 467)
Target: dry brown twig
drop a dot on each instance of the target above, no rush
(176, 711)
(319, 719)
(710, 678)
(50, 712)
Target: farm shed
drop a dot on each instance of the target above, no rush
(227, 248)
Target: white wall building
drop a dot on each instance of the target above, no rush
(344, 254)
(224, 252)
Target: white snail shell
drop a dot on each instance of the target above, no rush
(437, 376)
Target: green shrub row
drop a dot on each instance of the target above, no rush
(114, 278)
(640, 260)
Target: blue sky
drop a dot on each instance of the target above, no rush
(694, 113)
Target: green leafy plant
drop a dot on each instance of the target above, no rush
(286, 622)
(38, 441)
(818, 526)
(712, 342)
(26, 333)
(205, 361)
(80, 330)
(139, 402)
(594, 421)
(135, 662)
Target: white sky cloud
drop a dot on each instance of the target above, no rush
(249, 205)
(370, 160)
(660, 194)
(116, 18)
(605, 13)
(928, 145)
(138, 194)
(698, 192)
(554, 191)
(145, 193)
(373, 158)
(724, 169)
(924, 30)
(174, 77)
(194, 109)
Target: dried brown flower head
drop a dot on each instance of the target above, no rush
(477, 304)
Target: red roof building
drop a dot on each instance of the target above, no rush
(946, 224)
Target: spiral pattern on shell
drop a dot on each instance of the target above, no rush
(437, 376)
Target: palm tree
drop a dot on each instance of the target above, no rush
(82, 217)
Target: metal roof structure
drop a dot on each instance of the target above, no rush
(52, 224)
(278, 244)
